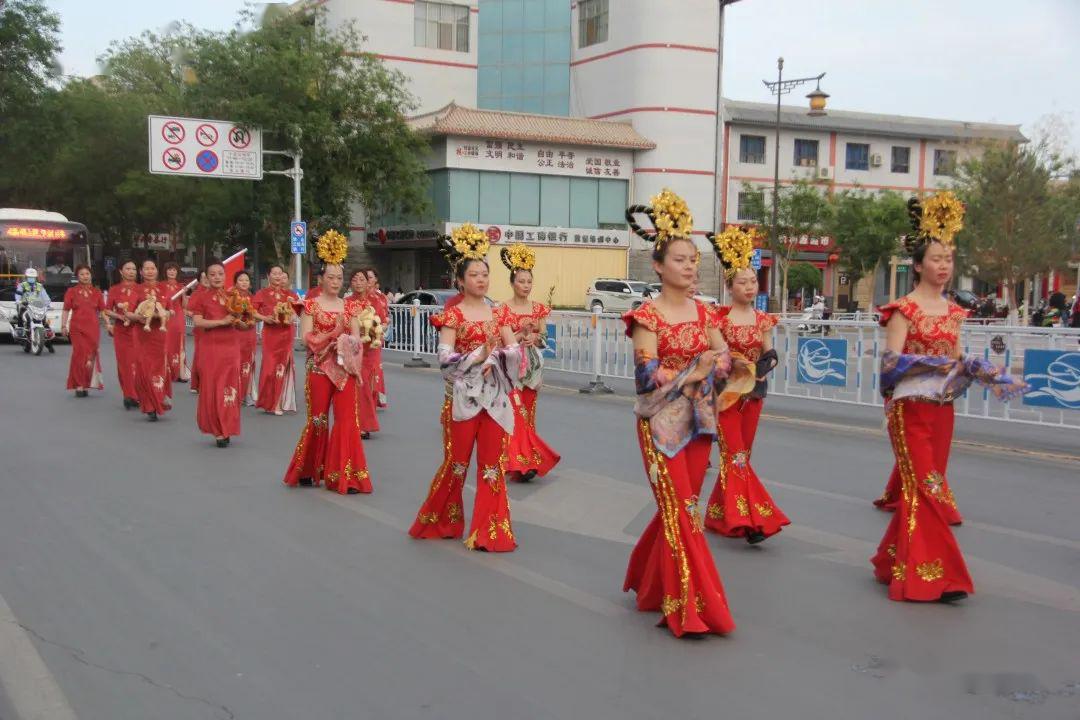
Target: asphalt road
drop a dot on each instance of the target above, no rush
(160, 577)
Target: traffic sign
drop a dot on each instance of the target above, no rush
(217, 148)
(110, 263)
(206, 134)
(207, 161)
(298, 233)
(755, 260)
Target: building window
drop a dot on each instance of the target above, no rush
(901, 159)
(750, 203)
(806, 152)
(944, 162)
(592, 22)
(752, 149)
(858, 156)
(441, 26)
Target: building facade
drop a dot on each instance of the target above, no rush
(655, 66)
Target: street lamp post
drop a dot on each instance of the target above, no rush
(779, 88)
(296, 174)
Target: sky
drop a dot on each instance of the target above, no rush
(976, 60)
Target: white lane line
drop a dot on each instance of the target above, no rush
(31, 688)
(492, 561)
(986, 527)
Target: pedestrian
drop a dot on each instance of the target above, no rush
(359, 303)
(528, 455)
(381, 304)
(220, 393)
(176, 330)
(121, 299)
(249, 342)
(83, 305)
(325, 454)
(740, 506)
(479, 360)
(150, 316)
(677, 359)
(275, 307)
(922, 371)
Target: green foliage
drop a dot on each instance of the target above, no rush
(804, 275)
(308, 89)
(867, 228)
(1021, 213)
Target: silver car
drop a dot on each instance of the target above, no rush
(615, 295)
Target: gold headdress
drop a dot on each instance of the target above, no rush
(466, 242)
(332, 247)
(735, 248)
(518, 257)
(938, 219)
(670, 217)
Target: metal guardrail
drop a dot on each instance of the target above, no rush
(833, 360)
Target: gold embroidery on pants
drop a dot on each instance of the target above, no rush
(764, 509)
(742, 505)
(715, 511)
(908, 483)
(930, 571)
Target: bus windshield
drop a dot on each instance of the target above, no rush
(54, 247)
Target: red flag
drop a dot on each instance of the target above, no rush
(233, 265)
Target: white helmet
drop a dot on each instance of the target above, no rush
(31, 274)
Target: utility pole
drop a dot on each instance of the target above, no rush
(297, 174)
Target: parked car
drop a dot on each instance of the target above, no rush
(654, 290)
(614, 295)
(965, 299)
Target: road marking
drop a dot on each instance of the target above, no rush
(492, 561)
(1000, 530)
(31, 688)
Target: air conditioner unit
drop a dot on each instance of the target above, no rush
(825, 173)
(875, 160)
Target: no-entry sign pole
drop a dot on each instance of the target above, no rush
(297, 175)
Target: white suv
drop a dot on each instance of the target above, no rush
(614, 295)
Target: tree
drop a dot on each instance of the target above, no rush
(867, 228)
(804, 275)
(1021, 214)
(802, 210)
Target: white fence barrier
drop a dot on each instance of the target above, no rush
(832, 360)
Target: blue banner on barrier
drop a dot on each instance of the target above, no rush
(1054, 376)
(821, 361)
(552, 341)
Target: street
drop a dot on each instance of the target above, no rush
(160, 577)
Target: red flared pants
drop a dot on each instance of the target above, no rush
(940, 445)
(441, 515)
(527, 450)
(918, 558)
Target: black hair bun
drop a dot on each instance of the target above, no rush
(631, 219)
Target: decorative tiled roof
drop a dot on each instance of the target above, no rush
(754, 113)
(469, 122)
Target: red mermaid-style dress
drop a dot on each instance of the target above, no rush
(442, 515)
(671, 568)
(327, 453)
(121, 300)
(220, 395)
(85, 304)
(366, 396)
(527, 451)
(928, 335)
(152, 379)
(277, 374)
(919, 558)
(740, 505)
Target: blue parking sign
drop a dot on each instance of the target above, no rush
(298, 233)
(821, 361)
(1054, 377)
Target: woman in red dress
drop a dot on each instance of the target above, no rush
(359, 302)
(196, 332)
(176, 330)
(922, 371)
(381, 304)
(479, 377)
(333, 455)
(83, 304)
(528, 455)
(678, 358)
(218, 359)
(739, 505)
(275, 307)
(249, 343)
(121, 299)
(151, 369)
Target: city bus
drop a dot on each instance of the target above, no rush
(46, 241)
